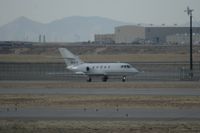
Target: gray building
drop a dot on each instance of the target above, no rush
(131, 33)
(183, 39)
(141, 34)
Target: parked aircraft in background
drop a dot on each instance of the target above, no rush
(104, 70)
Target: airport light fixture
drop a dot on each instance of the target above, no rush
(189, 12)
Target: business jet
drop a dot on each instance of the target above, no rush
(75, 64)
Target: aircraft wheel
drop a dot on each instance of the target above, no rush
(89, 79)
(105, 78)
(124, 79)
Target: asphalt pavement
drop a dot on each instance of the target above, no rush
(121, 114)
(107, 91)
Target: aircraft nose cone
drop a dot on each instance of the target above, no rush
(135, 70)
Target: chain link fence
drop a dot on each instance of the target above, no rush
(149, 71)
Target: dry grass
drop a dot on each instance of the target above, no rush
(27, 58)
(139, 57)
(53, 126)
(100, 101)
(102, 58)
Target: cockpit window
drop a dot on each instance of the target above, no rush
(125, 66)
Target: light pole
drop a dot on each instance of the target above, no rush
(189, 12)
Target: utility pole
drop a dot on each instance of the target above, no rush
(189, 12)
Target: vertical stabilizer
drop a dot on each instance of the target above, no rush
(69, 58)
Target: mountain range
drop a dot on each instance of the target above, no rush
(69, 29)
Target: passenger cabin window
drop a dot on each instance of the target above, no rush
(101, 67)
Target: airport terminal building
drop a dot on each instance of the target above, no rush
(141, 34)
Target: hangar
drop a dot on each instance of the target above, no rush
(145, 34)
(130, 34)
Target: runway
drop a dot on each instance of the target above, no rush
(120, 114)
(110, 91)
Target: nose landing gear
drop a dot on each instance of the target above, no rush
(124, 79)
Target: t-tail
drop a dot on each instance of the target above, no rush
(69, 58)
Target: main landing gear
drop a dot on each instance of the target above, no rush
(89, 79)
(105, 78)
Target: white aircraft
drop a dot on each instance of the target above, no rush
(96, 69)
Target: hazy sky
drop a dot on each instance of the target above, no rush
(134, 11)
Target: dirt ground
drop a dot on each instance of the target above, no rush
(55, 126)
(102, 53)
(99, 101)
(167, 57)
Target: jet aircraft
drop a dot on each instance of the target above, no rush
(104, 70)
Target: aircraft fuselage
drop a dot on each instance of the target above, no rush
(104, 69)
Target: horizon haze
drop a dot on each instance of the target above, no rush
(130, 11)
(68, 29)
